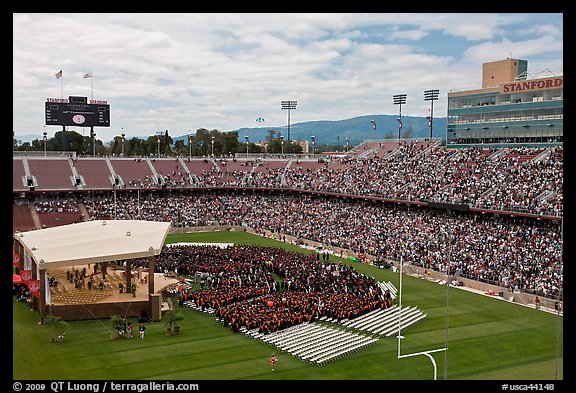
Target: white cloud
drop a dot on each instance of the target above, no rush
(221, 71)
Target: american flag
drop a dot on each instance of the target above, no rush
(58, 74)
(88, 75)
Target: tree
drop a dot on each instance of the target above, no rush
(230, 142)
(166, 142)
(118, 325)
(270, 136)
(58, 327)
(274, 146)
(180, 147)
(171, 318)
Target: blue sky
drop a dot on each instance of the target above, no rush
(182, 72)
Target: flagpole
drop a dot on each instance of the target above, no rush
(92, 83)
(62, 87)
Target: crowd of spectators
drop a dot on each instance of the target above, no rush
(63, 205)
(518, 253)
(518, 179)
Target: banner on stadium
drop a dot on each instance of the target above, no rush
(16, 260)
(26, 276)
(34, 288)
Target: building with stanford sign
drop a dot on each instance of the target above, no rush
(509, 109)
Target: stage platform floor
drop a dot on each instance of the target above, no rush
(66, 292)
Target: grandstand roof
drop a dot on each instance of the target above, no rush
(94, 241)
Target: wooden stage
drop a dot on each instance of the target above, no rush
(103, 300)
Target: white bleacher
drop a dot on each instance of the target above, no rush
(388, 286)
(391, 324)
(314, 342)
(382, 318)
(385, 322)
(405, 323)
(355, 321)
(344, 349)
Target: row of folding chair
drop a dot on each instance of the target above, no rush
(388, 286)
(369, 318)
(392, 324)
(191, 304)
(409, 322)
(342, 349)
(305, 332)
(384, 318)
(319, 337)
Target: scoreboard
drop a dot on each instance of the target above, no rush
(77, 111)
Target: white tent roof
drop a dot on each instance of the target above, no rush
(94, 241)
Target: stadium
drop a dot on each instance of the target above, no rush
(300, 255)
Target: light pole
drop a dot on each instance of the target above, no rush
(448, 283)
(123, 141)
(45, 140)
(289, 105)
(247, 144)
(189, 145)
(560, 292)
(347, 144)
(313, 145)
(399, 99)
(431, 95)
(212, 146)
(282, 143)
(93, 144)
(158, 140)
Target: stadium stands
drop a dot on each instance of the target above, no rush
(95, 172)
(19, 175)
(22, 220)
(519, 180)
(135, 173)
(52, 173)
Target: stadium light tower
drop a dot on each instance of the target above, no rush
(399, 99)
(289, 105)
(45, 140)
(431, 95)
(93, 143)
(158, 140)
(247, 143)
(313, 145)
(123, 140)
(189, 145)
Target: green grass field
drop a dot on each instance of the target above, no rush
(488, 339)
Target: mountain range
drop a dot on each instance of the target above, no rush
(333, 132)
(356, 129)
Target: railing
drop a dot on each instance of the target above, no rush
(51, 154)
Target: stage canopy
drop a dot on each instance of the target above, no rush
(94, 241)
